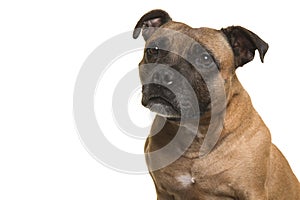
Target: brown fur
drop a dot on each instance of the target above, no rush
(244, 164)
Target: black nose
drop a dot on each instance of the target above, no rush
(163, 77)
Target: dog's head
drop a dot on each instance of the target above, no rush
(184, 70)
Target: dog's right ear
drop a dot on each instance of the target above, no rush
(150, 22)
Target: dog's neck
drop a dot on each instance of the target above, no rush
(237, 107)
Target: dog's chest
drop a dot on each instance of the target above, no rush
(177, 176)
(186, 179)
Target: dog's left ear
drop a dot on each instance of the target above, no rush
(244, 43)
(150, 22)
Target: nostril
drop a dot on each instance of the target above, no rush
(168, 78)
(156, 78)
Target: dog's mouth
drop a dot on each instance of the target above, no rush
(162, 106)
(156, 99)
(170, 104)
(160, 103)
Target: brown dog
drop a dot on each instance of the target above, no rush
(207, 141)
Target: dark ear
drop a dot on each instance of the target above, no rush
(244, 43)
(149, 23)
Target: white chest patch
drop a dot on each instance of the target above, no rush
(186, 180)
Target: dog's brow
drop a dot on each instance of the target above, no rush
(161, 42)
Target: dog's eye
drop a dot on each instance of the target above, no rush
(152, 51)
(204, 60)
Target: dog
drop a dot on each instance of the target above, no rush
(206, 141)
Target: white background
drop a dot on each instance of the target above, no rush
(42, 47)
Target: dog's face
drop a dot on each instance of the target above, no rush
(174, 73)
(186, 71)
